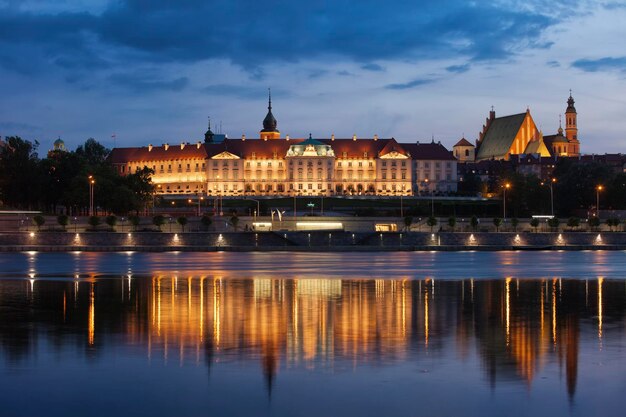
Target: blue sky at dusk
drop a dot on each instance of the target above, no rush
(151, 71)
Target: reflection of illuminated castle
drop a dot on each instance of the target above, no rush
(518, 326)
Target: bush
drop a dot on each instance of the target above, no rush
(408, 220)
(497, 221)
(515, 223)
(534, 223)
(111, 221)
(158, 221)
(206, 221)
(39, 221)
(573, 222)
(63, 221)
(474, 222)
(452, 223)
(432, 222)
(94, 221)
(234, 221)
(594, 222)
(182, 220)
(134, 220)
(554, 223)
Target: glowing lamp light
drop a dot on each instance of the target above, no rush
(32, 234)
(598, 239)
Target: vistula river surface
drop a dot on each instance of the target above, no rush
(313, 334)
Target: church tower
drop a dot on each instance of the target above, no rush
(208, 136)
(571, 127)
(269, 130)
(571, 131)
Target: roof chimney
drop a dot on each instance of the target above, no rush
(332, 137)
(198, 145)
(287, 137)
(375, 137)
(243, 137)
(182, 146)
(166, 146)
(150, 148)
(353, 137)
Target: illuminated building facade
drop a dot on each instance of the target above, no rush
(272, 165)
(517, 134)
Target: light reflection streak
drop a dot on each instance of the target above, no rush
(92, 315)
(600, 312)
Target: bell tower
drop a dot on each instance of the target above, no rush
(270, 124)
(571, 129)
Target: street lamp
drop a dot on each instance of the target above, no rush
(401, 202)
(432, 198)
(92, 181)
(598, 189)
(506, 187)
(550, 184)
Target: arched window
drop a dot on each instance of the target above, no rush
(467, 152)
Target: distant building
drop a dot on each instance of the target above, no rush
(272, 165)
(504, 137)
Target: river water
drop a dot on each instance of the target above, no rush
(313, 334)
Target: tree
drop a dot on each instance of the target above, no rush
(432, 222)
(534, 223)
(182, 220)
(497, 221)
(234, 221)
(573, 222)
(474, 223)
(408, 220)
(111, 221)
(612, 223)
(452, 223)
(206, 221)
(93, 221)
(134, 220)
(554, 223)
(158, 221)
(39, 221)
(93, 152)
(515, 223)
(63, 220)
(594, 223)
(20, 177)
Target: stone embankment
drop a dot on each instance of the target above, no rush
(306, 241)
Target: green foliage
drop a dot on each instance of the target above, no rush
(182, 220)
(111, 221)
(93, 221)
(39, 221)
(206, 221)
(573, 222)
(594, 222)
(612, 223)
(534, 223)
(576, 185)
(554, 223)
(497, 222)
(234, 221)
(158, 221)
(515, 223)
(474, 223)
(134, 220)
(452, 222)
(63, 220)
(432, 222)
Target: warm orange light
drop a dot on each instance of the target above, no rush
(600, 188)
(507, 185)
(553, 180)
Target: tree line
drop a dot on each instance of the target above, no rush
(59, 182)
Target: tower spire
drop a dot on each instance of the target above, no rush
(269, 98)
(270, 130)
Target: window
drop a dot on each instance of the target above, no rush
(269, 164)
(360, 164)
(384, 163)
(349, 164)
(403, 175)
(339, 164)
(247, 164)
(371, 164)
(280, 164)
(393, 175)
(253, 154)
(214, 163)
(344, 154)
(310, 186)
(365, 154)
(467, 152)
(258, 164)
(299, 186)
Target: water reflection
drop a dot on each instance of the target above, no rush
(514, 328)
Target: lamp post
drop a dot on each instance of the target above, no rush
(432, 198)
(506, 187)
(258, 207)
(598, 189)
(92, 181)
(401, 202)
(550, 184)
(295, 215)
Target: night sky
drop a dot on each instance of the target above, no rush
(151, 71)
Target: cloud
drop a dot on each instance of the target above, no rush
(614, 6)
(458, 69)
(242, 91)
(160, 31)
(372, 67)
(602, 64)
(143, 83)
(411, 84)
(345, 73)
(553, 64)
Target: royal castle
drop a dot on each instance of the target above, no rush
(284, 166)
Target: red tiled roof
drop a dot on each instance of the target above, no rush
(463, 142)
(428, 151)
(158, 153)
